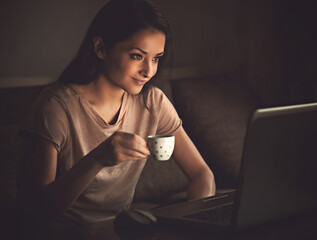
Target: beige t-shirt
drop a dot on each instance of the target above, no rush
(64, 117)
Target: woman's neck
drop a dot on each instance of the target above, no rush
(104, 97)
(101, 92)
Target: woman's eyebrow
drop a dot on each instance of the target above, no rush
(145, 52)
(160, 54)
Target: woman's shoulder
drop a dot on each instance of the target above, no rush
(154, 94)
(56, 95)
(59, 90)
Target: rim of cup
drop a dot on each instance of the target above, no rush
(160, 136)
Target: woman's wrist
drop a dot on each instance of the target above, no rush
(202, 186)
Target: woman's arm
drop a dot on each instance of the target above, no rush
(46, 196)
(186, 155)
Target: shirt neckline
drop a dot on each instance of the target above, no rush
(96, 116)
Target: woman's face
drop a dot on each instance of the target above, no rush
(133, 62)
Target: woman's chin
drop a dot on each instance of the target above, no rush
(134, 91)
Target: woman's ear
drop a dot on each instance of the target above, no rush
(99, 47)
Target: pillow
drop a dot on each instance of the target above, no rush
(10, 155)
(159, 181)
(215, 114)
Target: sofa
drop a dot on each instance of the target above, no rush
(214, 111)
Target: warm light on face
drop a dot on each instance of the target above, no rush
(133, 62)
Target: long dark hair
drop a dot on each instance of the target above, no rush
(116, 21)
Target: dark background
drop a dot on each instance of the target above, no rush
(269, 44)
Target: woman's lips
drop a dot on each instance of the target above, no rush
(139, 82)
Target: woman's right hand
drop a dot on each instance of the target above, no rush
(41, 193)
(123, 146)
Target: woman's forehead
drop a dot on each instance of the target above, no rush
(149, 40)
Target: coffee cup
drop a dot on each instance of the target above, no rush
(161, 146)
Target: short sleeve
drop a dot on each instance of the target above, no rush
(47, 118)
(168, 119)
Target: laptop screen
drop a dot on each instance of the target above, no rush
(279, 160)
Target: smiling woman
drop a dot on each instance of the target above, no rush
(132, 62)
(85, 135)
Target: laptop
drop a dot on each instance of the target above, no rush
(277, 177)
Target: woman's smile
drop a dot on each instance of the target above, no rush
(139, 82)
(133, 62)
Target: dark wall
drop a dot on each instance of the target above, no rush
(283, 50)
(39, 37)
(270, 44)
(297, 35)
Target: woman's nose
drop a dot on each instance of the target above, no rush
(147, 69)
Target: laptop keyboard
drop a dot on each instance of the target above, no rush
(217, 214)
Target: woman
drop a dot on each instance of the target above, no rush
(85, 134)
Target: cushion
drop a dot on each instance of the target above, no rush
(10, 155)
(14, 103)
(215, 114)
(160, 181)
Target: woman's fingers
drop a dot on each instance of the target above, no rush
(128, 146)
(133, 142)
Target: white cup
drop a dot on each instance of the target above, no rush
(161, 146)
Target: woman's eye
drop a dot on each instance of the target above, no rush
(156, 59)
(136, 56)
